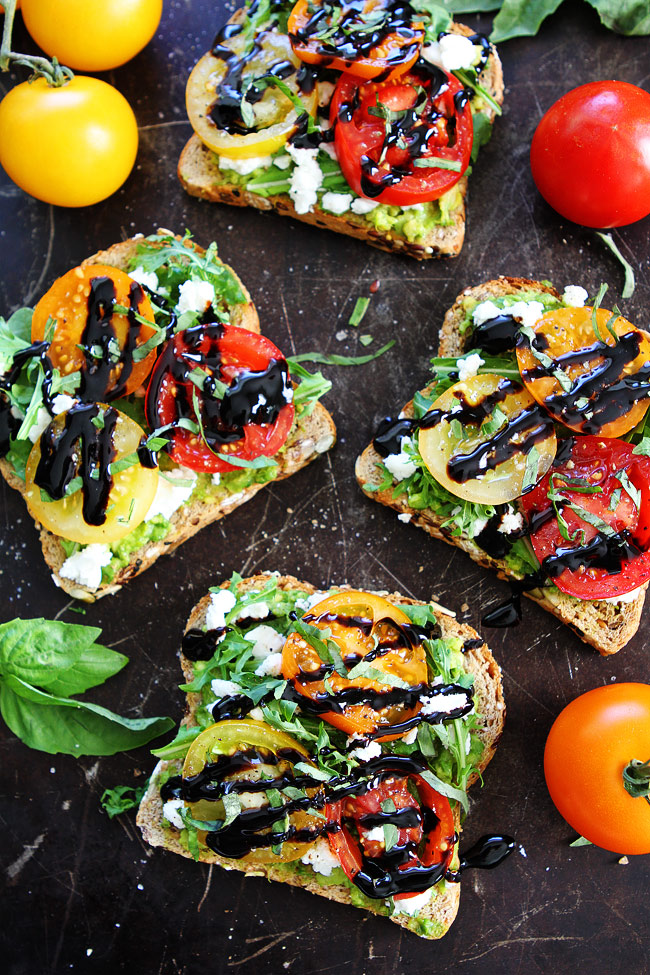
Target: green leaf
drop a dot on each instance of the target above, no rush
(339, 360)
(256, 464)
(60, 657)
(608, 240)
(363, 669)
(636, 779)
(581, 841)
(629, 17)
(445, 789)
(521, 18)
(482, 133)
(57, 725)
(359, 310)
(122, 798)
(643, 447)
(232, 807)
(177, 748)
(437, 162)
(391, 836)
(388, 806)
(532, 467)
(158, 250)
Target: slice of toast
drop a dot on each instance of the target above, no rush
(434, 919)
(606, 626)
(311, 436)
(200, 175)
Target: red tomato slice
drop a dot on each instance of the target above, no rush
(389, 135)
(251, 419)
(389, 48)
(421, 853)
(590, 566)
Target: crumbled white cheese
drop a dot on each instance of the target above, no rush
(224, 688)
(366, 752)
(442, 703)
(626, 597)
(405, 517)
(452, 52)
(336, 203)
(148, 278)
(308, 602)
(254, 611)
(170, 812)
(401, 465)
(374, 835)
(220, 605)
(320, 857)
(329, 149)
(477, 527)
(528, 312)
(469, 366)
(412, 737)
(282, 161)
(484, 311)
(361, 206)
(216, 478)
(85, 566)
(195, 296)
(411, 905)
(287, 394)
(244, 166)
(271, 666)
(174, 489)
(265, 640)
(574, 296)
(60, 404)
(256, 714)
(511, 521)
(306, 178)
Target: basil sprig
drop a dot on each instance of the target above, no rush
(42, 664)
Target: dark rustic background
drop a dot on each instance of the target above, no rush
(84, 893)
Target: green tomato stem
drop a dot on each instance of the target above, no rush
(54, 73)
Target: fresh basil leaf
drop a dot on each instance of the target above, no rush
(232, 807)
(359, 310)
(388, 806)
(121, 799)
(521, 18)
(62, 725)
(643, 447)
(391, 836)
(363, 669)
(531, 469)
(438, 162)
(581, 841)
(255, 464)
(608, 240)
(445, 789)
(177, 748)
(338, 360)
(629, 17)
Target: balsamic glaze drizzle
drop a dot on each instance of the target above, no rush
(252, 397)
(99, 380)
(79, 448)
(10, 424)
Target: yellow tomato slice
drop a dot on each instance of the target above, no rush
(67, 305)
(231, 737)
(480, 436)
(592, 383)
(358, 622)
(131, 493)
(274, 114)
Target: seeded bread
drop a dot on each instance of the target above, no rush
(309, 438)
(200, 175)
(605, 626)
(443, 906)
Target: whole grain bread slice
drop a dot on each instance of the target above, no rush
(311, 436)
(443, 906)
(200, 175)
(606, 626)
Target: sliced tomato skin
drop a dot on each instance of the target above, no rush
(444, 129)
(225, 352)
(398, 47)
(436, 847)
(596, 459)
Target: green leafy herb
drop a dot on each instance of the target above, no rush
(42, 663)
(629, 283)
(359, 310)
(338, 360)
(327, 649)
(531, 469)
(366, 670)
(437, 162)
(256, 464)
(122, 798)
(391, 836)
(596, 305)
(445, 788)
(581, 841)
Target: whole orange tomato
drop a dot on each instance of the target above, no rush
(92, 35)
(588, 748)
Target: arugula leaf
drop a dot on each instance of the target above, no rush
(445, 789)
(159, 249)
(581, 841)
(391, 835)
(338, 360)
(63, 725)
(363, 669)
(359, 310)
(608, 240)
(122, 798)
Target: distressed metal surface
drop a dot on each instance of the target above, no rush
(82, 893)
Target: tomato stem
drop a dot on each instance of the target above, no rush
(54, 73)
(636, 779)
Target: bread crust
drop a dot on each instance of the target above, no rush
(309, 438)
(443, 906)
(607, 627)
(200, 176)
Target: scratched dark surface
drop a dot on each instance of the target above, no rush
(84, 893)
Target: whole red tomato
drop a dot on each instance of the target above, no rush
(588, 747)
(590, 155)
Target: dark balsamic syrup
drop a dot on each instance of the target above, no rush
(10, 424)
(107, 366)
(486, 854)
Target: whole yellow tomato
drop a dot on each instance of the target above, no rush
(73, 145)
(92, 35)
